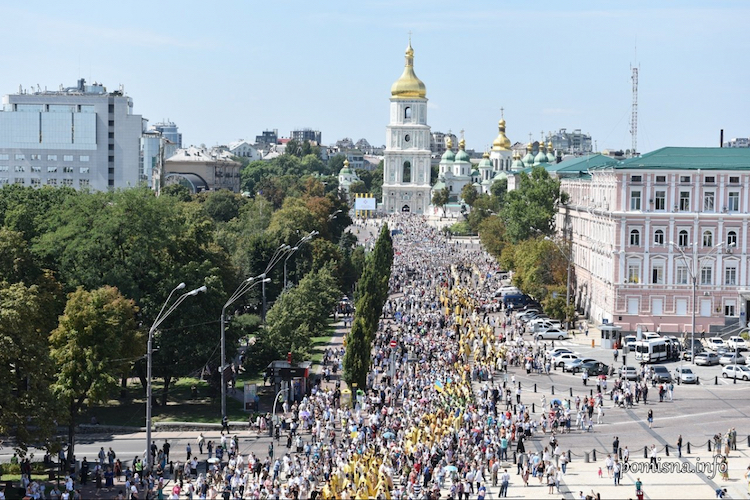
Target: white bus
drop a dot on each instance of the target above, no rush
(651, 351)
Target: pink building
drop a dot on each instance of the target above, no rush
(641, 230)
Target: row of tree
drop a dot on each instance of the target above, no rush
(83, 276)
(513, 226)
(372, 294)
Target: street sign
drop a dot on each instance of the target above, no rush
(290, 373)
(393, 343)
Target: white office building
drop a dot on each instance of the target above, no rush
(83, 137)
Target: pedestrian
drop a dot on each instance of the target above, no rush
(189, 452)
(679, 446)
(224, 424)
(201, 440)
(615, 445)
(652, 458)
(650, 418)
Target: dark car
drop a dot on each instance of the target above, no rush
(661, 374)
(594, 368)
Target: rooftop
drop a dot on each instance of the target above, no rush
(671, 158)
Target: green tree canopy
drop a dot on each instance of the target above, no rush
(469, 194)
(532, 205)
(440, 198)
(87, 348)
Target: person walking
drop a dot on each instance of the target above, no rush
(679, 446)
(650, 418)
(615, 445)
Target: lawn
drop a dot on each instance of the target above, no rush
(182, 407)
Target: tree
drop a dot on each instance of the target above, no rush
(87, 349)
(357, 356)
(358, 187)
(440, 198)
(28, 407)
(492, 235)
(498, 189)
(222, 205)
(299, 314)
(469, 194)
(532, 206)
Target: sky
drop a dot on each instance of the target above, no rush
(228, 70)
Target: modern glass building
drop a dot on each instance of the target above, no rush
(82, 136)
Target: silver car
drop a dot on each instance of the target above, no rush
(731, 358)
(685, 375)
(551, 334)
(707, 359)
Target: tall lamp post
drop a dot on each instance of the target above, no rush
(299, 244)
(275, 258)
(150, 352)
(567, 286)
(693, 270)
(244, 287)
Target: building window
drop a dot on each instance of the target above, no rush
(51, 170)
(734, 180)
(708, 201)
(635, 200)
(67, 182)
(3, 180)
(681, 277)
(20, 180)
(4, 156)
(36, 169)
(658, 237)
(19, 168)
(683, 239)
(36, 157)
(636, 178)
(733, 202)
(406, 177)
(67, 157)
(660, 200)
(52, 182)
(51, 157)
(83, 170)
(83, 182)
(732, 238)
(730, 275)
(85, 158)
(661, 178)
(708, 239)
(729, 310)
(407, 113)
(67, 170)
(634, 273)
(710, 179)
(36, 182)
(3, 168)
(684, 201)
(657, 274)
(706, 275)
(20, 157)
(635, 238)
(685, 178)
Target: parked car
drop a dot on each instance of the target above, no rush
(629, 372)
(574, 365)
(731, 358)
(685, 375)
(594, 368)
(629, 341)
(707, 359)
(551, 334)
(737, 343)
(716, 342)
(541, 324)
(736, 371)
(561, 358)
(661, 374)
(558, 350)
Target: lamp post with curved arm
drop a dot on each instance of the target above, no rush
(275, 258)
(244, 287)
(693, 270)
(568, 257)
(299, 244)
(150, 351)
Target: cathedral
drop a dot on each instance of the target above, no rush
(407, 157)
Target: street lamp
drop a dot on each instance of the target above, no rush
(150, 351)
(244, 287)
(694, 277)
(333, 215)
(275, 258)
(567, 285)
(299, 244)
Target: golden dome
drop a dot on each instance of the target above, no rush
(549, 146)
(501, 143)
(408, 86)
(529, 147)
(462, 144)
(486, 155)
(449, 142)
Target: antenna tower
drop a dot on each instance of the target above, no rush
(634, 112)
